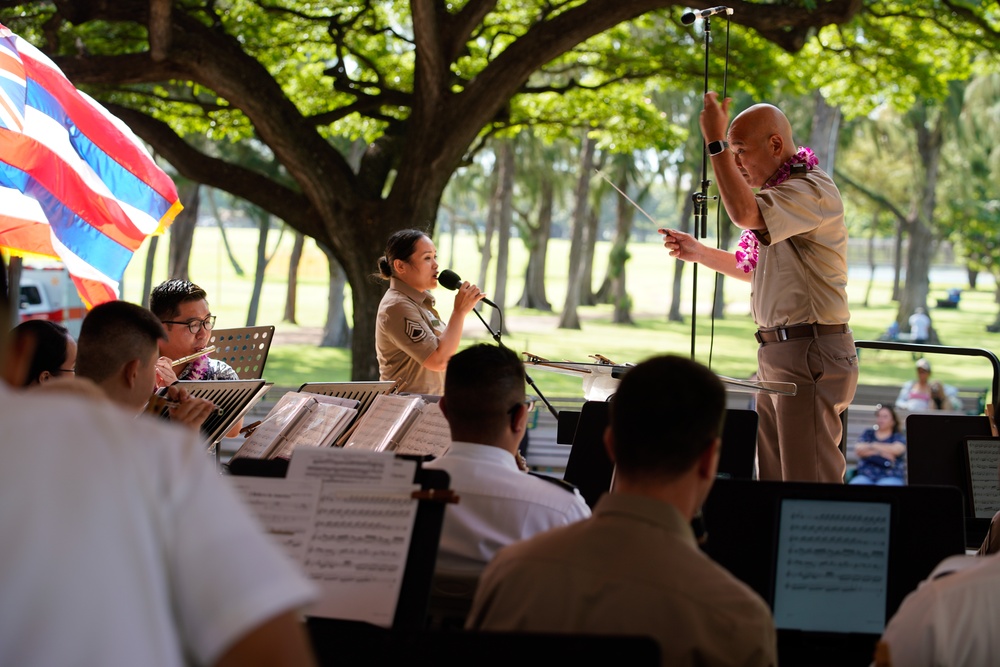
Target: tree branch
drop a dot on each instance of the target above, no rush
(289, 205)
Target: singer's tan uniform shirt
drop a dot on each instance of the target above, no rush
(407, 329)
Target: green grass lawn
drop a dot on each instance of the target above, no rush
(649, 274)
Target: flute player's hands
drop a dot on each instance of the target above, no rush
(165, 375)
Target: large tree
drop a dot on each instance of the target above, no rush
(423, 82)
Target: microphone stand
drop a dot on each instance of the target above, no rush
(496, 337)
(700, 200)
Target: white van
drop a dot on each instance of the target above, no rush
(48, 293)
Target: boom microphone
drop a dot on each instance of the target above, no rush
(689, 17)
(448, 279)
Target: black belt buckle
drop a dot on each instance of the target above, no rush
(760, 339)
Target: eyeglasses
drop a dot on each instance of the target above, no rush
(68, 370)
(529, 403)
(194, 326)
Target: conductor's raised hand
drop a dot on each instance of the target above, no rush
(682, 246)
(467, 297)
(714, 118)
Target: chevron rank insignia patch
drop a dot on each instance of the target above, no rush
(415, 330)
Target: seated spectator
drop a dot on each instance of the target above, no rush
(118, 351)
(920, 326)
(183, 310)
(922, 395)
(949, 620)
(123, 546)
(54, 350)
(881, 451)
(635, 567)
(484, 403)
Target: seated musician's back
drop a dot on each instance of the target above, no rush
(635, 568)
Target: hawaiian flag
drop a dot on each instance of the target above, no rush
(75, 182)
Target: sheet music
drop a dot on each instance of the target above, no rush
(380, 423)
(272, 428)
(343, 466)
(832, 566)
(428, 435)
(358, 551)
(286, 509)
(984, 466)
(319, 428)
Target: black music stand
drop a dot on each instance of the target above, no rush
(935, 455)
(363, 392)
(590, 469)
(234, 398)
(244, 348)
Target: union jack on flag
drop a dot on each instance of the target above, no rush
(75, 182)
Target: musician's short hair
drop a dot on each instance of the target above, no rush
(166, 298)
(481, 386)
(114, 333)
(667, 411)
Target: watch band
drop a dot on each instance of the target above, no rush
(717, 147)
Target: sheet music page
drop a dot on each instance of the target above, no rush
(380, 423)
(832, 566)
(286, 508)
(429, 434)
(364, 524)
(358, 551)
(984, 465)
(318, 429)
(339, 400)
(267, 433)
(357, 468)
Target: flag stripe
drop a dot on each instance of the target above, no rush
(75, 182)
(92, 123)
(33, 169)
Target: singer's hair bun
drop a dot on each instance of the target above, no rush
(384, 267)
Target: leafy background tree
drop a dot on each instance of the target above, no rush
(369, 108)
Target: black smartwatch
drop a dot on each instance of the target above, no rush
(717, 147)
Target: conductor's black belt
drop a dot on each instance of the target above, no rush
(778, 334)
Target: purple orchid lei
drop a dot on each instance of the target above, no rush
(198, 368)
(748, 246)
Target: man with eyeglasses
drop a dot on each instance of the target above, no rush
(183, 309)
(485, 406)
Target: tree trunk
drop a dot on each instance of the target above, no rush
(336, 332)
(570, 319)
(505, 221)
(492, 213)
(533, 295)
(182, 231)
(825, 131)
(147, 274)
(725, 241)
(871, 258)
(590, 232)
(263, 224)
(214, 205)
(929, 141)
(684, 225)
(291, 292)
(619, 256)
(897, 261)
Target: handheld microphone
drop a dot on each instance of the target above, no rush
(448, 279)
(689, 17)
